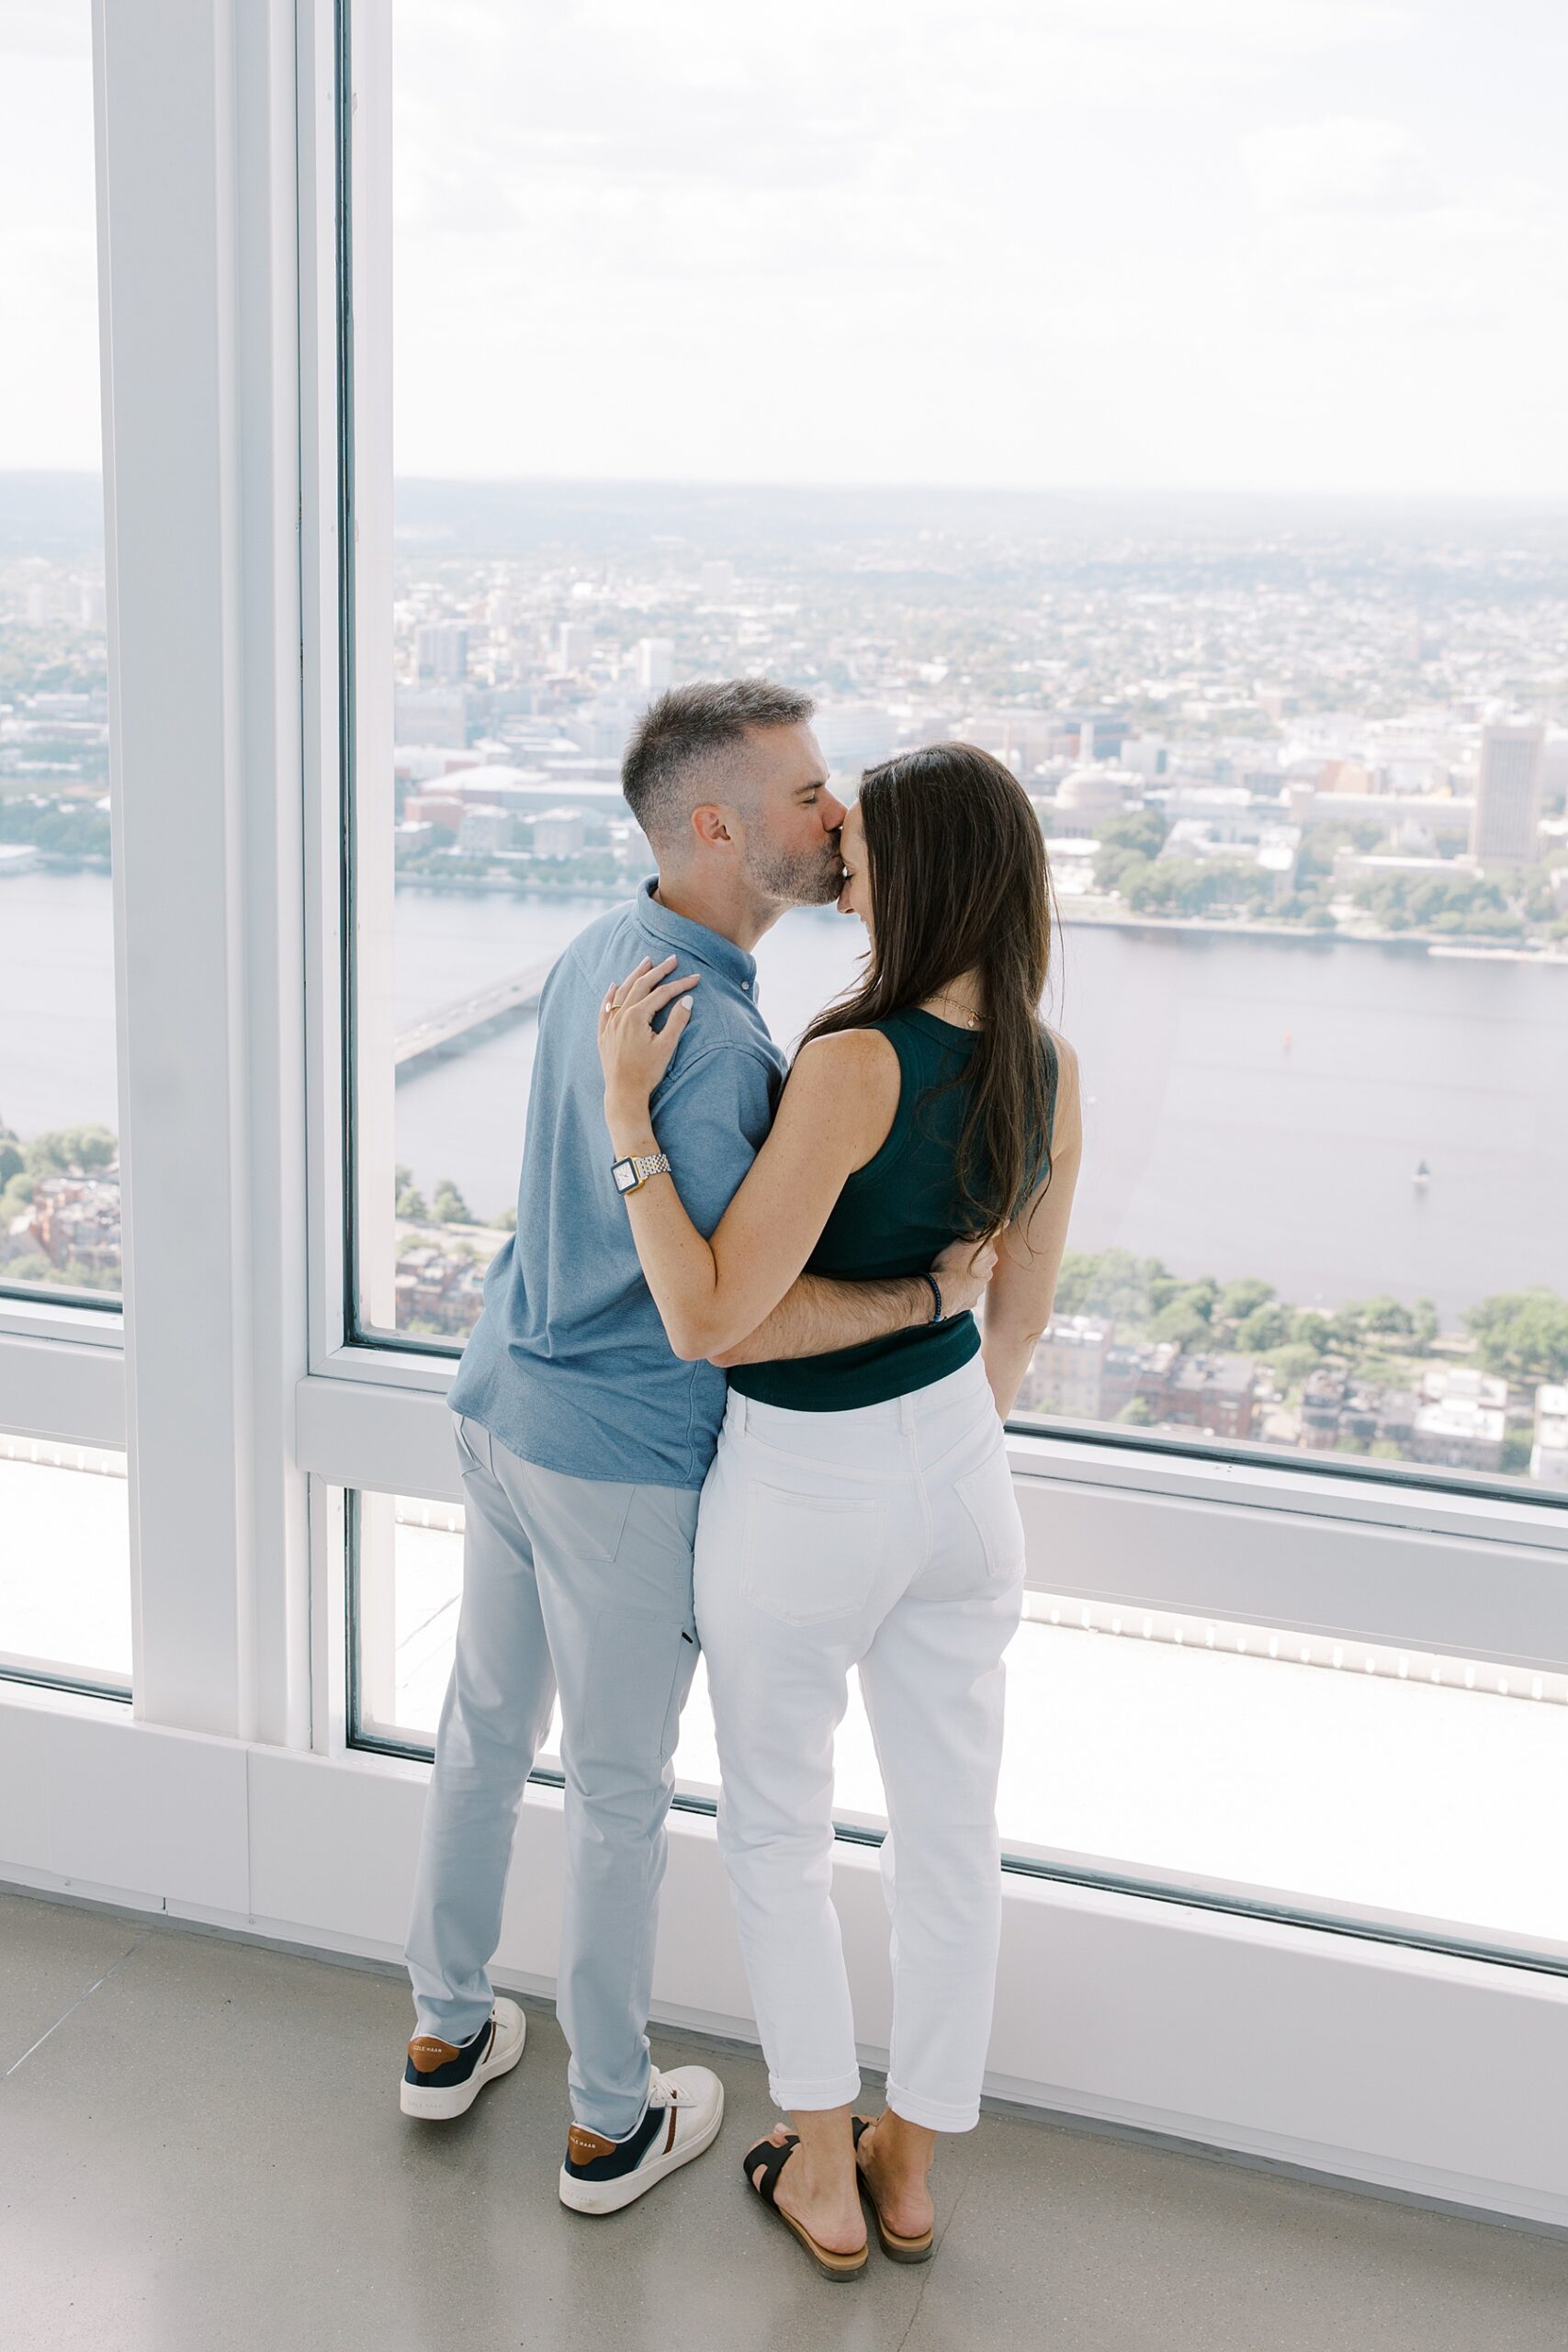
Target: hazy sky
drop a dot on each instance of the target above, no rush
(1229, 243)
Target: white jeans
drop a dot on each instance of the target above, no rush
(886, 1538)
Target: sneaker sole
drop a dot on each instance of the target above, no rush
(611, 2195)
(442, 2106)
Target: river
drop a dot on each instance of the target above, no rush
(1254, 1106)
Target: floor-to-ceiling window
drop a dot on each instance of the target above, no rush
(64, 1583)
(59, 1117)
(1091, 392)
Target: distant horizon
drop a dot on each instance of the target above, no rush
(891, 486)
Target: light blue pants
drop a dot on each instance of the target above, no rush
(582, 1585)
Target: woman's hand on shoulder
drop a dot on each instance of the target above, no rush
(632, 1053)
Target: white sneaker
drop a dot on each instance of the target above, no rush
(685, 2108)
(443, 2078)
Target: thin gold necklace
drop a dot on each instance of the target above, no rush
(970, 1021)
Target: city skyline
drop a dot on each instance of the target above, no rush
(1295, 849)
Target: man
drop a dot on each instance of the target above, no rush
(585, 1441)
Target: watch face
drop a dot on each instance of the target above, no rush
(624, 1175)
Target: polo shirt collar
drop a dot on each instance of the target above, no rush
(676, 934)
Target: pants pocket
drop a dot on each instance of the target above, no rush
(628, 1710)
(808, 1559)
(991, 1507)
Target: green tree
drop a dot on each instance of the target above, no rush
(1315, 863)
(1381, 1313)
(1126, 841)
(1137, 1412)
(34, 1268)
(1522, 1334)
(1266, 1328)
(1112, 1282)
(449, 1207)
(1184, 1324)
(1240, 1299)
(61, 1149)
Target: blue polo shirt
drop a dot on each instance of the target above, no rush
(569, 1364)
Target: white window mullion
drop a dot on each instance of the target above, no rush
(196, 139)
(320, 660)
(369, 453)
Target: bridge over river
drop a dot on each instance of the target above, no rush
(457, 1026)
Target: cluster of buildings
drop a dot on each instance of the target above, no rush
(54, 739)
(437, 1290)
(510, 722)
(1456, 1418)
(52, 736)
(1080, 1371)
(549, 792)
(74, 1219)
(1251, 702)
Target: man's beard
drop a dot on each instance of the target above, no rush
(803, 879)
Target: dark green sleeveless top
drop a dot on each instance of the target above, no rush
(894, 1216)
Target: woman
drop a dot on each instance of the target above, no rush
(860, 1511)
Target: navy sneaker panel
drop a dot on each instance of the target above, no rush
(628, 2154)
(470, 2054)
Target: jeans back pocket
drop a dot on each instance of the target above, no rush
(807, 1559)
(991, 1507)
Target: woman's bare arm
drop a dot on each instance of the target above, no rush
(1018, 1303)
(834, 1115)
(819, 1314)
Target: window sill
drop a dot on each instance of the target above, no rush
(1537, 1519)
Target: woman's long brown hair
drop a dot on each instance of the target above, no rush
(959, 882)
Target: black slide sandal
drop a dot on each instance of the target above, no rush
(772, 2155)
(896, 2248)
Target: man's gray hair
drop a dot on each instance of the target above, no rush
(684, 730)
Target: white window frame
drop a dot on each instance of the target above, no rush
(228, 1791)
(372, 1415)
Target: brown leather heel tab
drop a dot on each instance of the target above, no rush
(428, 2051)
(585, 2147)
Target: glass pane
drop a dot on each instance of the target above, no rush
(59, 1114)
(1344, 1779)
(409, 1586)
(65, 1564)
(1301, 760)
(1237, 1759)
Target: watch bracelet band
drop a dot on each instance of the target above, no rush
(936, 1298)
(645, 1165)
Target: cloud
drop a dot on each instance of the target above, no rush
(1348, 163)
(44, 28)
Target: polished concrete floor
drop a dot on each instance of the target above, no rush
(201, 2150)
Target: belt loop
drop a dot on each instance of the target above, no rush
(906, 1412)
